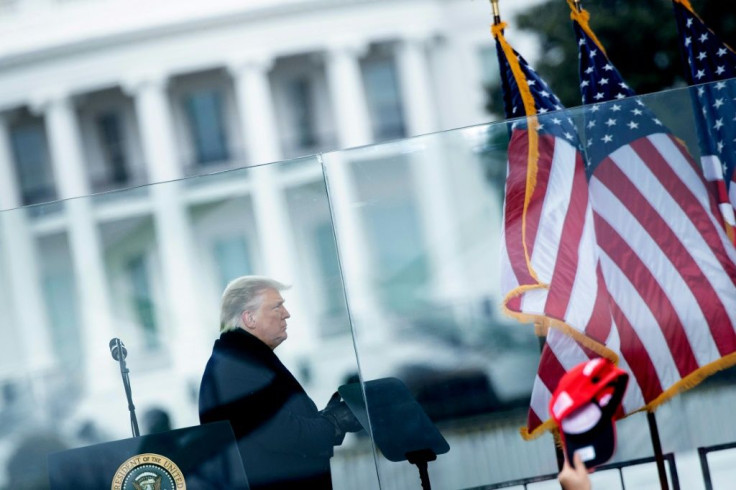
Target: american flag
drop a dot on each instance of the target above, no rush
(666, 261)
(550, 270)
(712, 63)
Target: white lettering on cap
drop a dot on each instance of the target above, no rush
(590, 366)
(582, 420)
(586, 453)
(563, 402)
(605, 399)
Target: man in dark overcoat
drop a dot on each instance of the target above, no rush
(284, 440)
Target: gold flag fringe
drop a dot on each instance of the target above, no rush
(533, 152)
(686, 4)
(582, 17)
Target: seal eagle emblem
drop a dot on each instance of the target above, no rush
(148, 471)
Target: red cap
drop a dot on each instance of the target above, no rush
(583, 406)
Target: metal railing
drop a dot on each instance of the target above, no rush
(703, 455)
(669, 458)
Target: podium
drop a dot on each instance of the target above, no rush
(400, 427)
(203, 457)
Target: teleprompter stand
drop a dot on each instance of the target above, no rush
(421, 460)
(400, 427)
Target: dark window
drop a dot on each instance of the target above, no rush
(231, 257)
(384, 101)
(333, 315)
(489, 74)
(32, 163)
(143, 305)
(329, 268)
(112, 142)
(61, 301)
(207, 126)
(301, 103)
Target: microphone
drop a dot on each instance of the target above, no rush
(119, 353)
(117, 346)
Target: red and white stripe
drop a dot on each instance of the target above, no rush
(726, 201)
(559, 231)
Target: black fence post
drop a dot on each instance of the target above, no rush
(703, 454)
(657, 445)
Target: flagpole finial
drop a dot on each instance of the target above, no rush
(578, 5)
(496, 12)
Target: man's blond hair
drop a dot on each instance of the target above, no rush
(244, 294)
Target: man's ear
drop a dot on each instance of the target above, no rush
(247, 318)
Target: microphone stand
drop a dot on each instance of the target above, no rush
(126, 384)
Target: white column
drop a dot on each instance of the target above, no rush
(155, 124)
(356, 260)
(462, 74)
(274, 227)
(431, 172)
(20, 254)
(353, 123)
(254, 100)
(278, 251)
(441, 221)
(84, 240)
(255, 105)
(416, 91)
(347, 92)
(187, 330)
(67, 157)
(9, 184)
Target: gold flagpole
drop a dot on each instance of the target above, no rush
(496, 12)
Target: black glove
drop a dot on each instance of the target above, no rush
(333, 402)
(341, 417)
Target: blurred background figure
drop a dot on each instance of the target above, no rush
(26, 466)
(155, 420)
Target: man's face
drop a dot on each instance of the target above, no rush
(268, 322)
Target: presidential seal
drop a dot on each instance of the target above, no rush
(148, 472)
